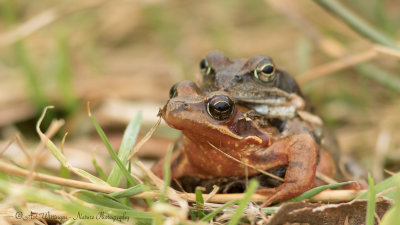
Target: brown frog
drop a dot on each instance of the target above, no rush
(256, 83)
(220, 140)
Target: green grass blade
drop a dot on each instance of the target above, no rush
(130, 191)
(317, 190)
(384, 185)
(104, 203)
(56, 152)
(167, 176)
(128, 185)
(370, 216)
(64, 77)
(192, 215)
(100, 199)
(89, 176)
(392, 216)
(98, 169)
(199, 196)
(31, 76)
(199, 203)
(270, 210)
(356, 23)
(211, 215)
(64, 172)
(243, 203)
(36, 195)
(8, 12)
(111, 150)
(61, 158)
(382, 17)
(381, 76)
(128, 141)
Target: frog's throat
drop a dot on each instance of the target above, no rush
(227, 135)
(228, 132)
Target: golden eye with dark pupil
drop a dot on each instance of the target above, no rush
(220, 107)
(173, 92)
(265, 72)
(204, 67)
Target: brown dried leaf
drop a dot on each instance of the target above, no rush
(327, 214)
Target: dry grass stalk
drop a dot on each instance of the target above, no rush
(53, 128)
(20, 143)
(325, 196)
(337, 65)
(391, 173)
(325, 178)
(144, 139)
(346, 62)
(171, 193)
(387, 51)
(212, 193)
(247, 165)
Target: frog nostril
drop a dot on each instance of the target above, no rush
(238, 78)
(187, 107)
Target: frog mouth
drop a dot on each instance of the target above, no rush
(269, 96)
(261, 100)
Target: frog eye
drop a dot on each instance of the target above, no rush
(265, 72)
(205, 68)
(173, 92)
(220, 107)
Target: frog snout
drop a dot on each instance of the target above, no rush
(177, 106)
(175, 113)
(175, 109)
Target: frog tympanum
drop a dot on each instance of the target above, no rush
(220, 140)
(256, 83)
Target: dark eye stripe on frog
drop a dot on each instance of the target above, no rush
(220, 107)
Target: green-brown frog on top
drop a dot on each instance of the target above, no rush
(220, 140)
(256, 83)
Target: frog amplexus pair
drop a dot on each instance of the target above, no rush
(243, 120)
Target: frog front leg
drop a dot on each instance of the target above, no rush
(302, 157)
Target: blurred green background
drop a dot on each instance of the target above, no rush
(123, 56)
